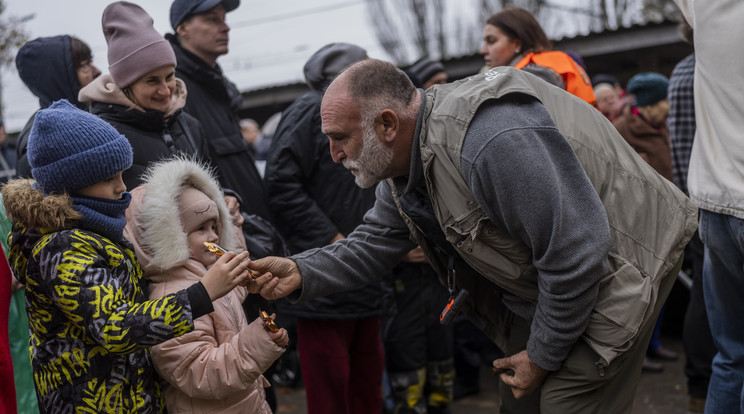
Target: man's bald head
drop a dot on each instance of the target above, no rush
(374, 85)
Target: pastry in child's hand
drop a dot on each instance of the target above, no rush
(268, 322)
(215, 248)
(219, 251)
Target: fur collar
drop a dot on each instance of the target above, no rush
(153, 218)
(31, 208)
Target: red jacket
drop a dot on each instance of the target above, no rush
(7, 391)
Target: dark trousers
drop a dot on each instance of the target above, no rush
(342, 363)
(418, 349)
(696, 337)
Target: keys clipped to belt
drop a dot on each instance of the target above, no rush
(456, 300)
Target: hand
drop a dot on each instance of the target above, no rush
(337, 237)
(289, 278)
(15, 284)
(229, 271)
(415, 256)
(527, 377)
(280, 337)
(234, 207)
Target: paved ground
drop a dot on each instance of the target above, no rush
(658, 393)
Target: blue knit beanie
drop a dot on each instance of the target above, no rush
(70, 149)
(648, 88)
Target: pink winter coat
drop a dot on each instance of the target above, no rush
(217, 367)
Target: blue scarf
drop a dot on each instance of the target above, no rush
(103, 216)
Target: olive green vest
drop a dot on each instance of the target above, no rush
(650, 220)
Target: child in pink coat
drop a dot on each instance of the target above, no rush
(218, 367)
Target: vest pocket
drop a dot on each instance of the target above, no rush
(623, 303)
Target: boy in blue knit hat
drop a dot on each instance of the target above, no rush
(90, 321)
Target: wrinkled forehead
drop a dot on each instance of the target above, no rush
(337, 109)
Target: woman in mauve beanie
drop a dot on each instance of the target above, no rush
(141, 97)
(134, 46)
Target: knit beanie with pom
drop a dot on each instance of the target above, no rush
(70, 149)
(134, 46)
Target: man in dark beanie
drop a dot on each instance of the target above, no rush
(201, 36)
(426, 72)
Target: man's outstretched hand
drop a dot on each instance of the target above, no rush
(279, 277)
(527, 377)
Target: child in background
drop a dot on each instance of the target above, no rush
(90, 321)
(218, 366)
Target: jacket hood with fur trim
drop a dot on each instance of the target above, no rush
(153, 218)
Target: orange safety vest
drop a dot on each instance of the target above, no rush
(576, 80)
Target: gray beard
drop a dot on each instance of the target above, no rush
(373, 161)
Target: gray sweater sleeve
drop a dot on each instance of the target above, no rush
(526, 177)
(363, 257)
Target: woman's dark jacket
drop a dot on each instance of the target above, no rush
(152, 138)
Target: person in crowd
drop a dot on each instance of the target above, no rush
(201, 36)
(216, 367)
(52, 68)
(716, 184)
(141, 96)
(607, 100)
(513, 37)
(315, 203)
(643, 125)
(251, 132)
(610, 80)
(426, 72)
(90, 320)
(696, 336)
(572, 259)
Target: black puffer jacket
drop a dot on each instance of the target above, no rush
(214, 101)
(152, 138)
(312, 199)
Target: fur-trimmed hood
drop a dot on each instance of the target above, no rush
(153, 218)
(30, 208)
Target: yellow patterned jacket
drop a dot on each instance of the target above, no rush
(89, 318)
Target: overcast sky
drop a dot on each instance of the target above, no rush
(269, 40)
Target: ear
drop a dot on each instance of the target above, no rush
(388, 125)
(181, 30)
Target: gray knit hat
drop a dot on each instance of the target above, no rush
(422, 70)
(329, 61)
(134, 46)
(70, 149)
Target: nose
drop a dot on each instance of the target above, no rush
(164, 89)
(337, 152)
(120, 186)
(483, 50)
(96, 72)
